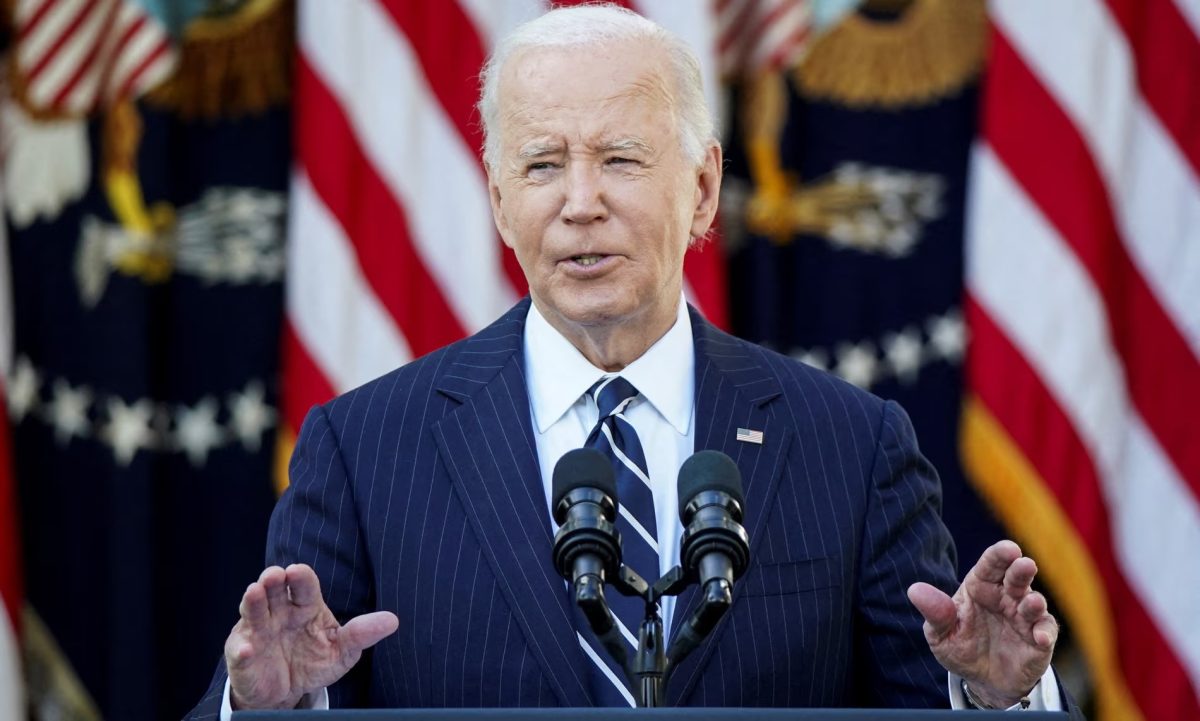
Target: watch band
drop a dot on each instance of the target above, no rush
(975, 702)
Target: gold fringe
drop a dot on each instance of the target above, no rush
(930, 51)
(233, 65)
(1024, 503)
(285, 443)
(51, 683)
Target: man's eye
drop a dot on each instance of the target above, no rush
(621, 161)
(535, 167)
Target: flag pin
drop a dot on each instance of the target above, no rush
(746, 435)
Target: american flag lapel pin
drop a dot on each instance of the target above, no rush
(745, 435)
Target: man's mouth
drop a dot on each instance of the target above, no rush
(586, 259)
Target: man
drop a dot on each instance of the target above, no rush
(417, 526)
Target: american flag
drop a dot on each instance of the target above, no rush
(748, 436)
(392, 250)
(1083, 276)
(74, 55)
(758, 35)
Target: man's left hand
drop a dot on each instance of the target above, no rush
(995, 632)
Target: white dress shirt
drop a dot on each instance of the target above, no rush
(558, 378)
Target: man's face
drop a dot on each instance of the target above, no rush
(592, 189)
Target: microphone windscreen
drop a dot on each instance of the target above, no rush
(582, 468)
(708, 471)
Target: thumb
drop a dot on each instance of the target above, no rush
(939, 610)
(367, 630)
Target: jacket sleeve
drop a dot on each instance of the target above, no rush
(904, 541)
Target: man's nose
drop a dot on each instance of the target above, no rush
(584, 201)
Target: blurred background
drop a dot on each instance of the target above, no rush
(221, 212)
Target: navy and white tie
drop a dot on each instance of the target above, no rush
(617, 439)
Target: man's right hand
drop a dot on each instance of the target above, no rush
(288, 643)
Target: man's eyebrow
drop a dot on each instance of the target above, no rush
(538, 150)
(625, 144)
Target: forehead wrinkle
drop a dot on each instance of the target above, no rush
(525, 111)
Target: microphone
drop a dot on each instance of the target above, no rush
(715, 546)
(587, 546)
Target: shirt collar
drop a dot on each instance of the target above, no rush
(558, 374)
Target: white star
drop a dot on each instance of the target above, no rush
(23, 389)
(250, 415)
(196, 430)
(903, 352)
(856, 363)
(67, 411)
(948, 336)
(815, 357)
(128, 429)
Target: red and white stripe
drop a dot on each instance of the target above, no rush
(74, 55)
(1083, 277)
(754, 36)
(393, 252)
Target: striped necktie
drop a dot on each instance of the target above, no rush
(617, 439)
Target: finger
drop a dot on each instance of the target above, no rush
(274, 583)
(1045, 632)
(253, 607)
(367, 630)
(941, 615)
(1032, 607)
(995, 561)
(239, 651)
(1019, 577)
(303, 584)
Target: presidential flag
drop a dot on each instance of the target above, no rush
(1083, 304)
(146, 228)
(844, 216)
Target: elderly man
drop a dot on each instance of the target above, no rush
(418, 525)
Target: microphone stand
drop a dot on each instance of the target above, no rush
(647, 674)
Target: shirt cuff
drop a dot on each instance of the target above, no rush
(318, 701)
(1043, 697)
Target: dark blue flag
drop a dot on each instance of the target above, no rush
(147, 265)
(846, 187)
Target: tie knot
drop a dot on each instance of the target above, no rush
(612, 394)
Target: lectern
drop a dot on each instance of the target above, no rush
(649, 714)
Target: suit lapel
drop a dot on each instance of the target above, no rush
(733, 390)
(491, 455)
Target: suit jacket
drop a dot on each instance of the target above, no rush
(420, 493)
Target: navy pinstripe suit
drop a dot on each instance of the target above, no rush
(420, 493)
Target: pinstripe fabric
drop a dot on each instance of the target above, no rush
(419, 493)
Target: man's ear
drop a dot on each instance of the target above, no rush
(498, 208)
(708, 191)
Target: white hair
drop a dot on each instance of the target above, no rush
(595, 24)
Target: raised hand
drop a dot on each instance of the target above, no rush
(995, 632)
(288, 643)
